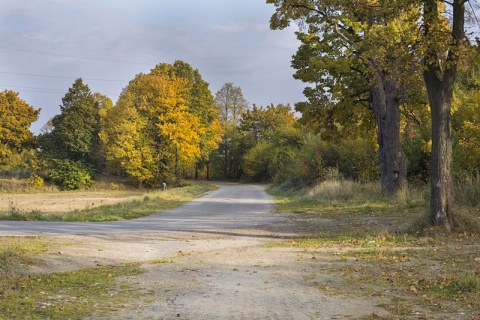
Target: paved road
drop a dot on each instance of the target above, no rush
(233, 206)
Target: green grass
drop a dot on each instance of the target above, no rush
(67, 295)
(382, 247)
(150, 203)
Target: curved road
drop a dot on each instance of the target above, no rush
(233, 206)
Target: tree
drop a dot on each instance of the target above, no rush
(74, 132)
(230, 104)
(16, 117)
(200, 103)
(72, 138)
(465, 118)
(443, 43)
(126, 141)
(151, 133)
(353, 55)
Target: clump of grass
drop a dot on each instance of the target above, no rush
(15, 251)
(349, 199)
(467, 189)
(331, 190)
(15, 214)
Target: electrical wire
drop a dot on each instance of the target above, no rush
(43, 90)
(60, 77)
(74, 57)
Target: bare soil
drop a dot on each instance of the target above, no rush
(225, 274)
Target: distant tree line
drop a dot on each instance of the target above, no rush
(168, 126)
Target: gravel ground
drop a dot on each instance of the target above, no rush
(218, 264)
(228, 274)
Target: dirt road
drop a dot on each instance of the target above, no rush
(215, 262)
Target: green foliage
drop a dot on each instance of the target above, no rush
(228, 158)
(69, 174)
(419, 159)
(74, 132)
(466, 117)
(315, 160)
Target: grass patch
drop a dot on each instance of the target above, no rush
(66, 295)
(14, 252)
(143, 205)
(380, 246)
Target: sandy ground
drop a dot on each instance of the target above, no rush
(226, 274)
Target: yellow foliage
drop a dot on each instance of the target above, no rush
(151, 131)
(427, 147)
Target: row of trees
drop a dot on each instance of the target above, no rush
(144, 138)
(381, 78)
(375, 53)
(163, 127)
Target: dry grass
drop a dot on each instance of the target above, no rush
(417, 275)
(54, 203)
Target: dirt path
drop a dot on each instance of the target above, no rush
(228, 274)
(209, 259)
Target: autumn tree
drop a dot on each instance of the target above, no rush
(443, 43)
(158, 129)
(200, 103)
(127, 141)
(16, 117)
(230, 104)
(352, 54)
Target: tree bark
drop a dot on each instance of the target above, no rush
(392, 159)
(439, 81)
(441, 197)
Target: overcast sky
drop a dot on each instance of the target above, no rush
(47, 44)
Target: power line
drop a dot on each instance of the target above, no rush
(45, 90)
(60, 77)
(75, 57)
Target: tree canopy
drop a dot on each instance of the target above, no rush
(163, 124)
(16, 116)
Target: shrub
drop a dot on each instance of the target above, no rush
(70, 175)
(35, 182)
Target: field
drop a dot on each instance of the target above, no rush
(105, 202)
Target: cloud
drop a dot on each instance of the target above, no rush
(228, 41)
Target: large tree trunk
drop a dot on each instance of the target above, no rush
(441, 198)
(392, 159)
(439, 81)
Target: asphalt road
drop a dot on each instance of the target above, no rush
(233, 206)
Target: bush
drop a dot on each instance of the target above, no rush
(35, 182)
(70, 175)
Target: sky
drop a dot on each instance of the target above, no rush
(47, 44)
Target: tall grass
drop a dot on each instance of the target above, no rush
(467, 189)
